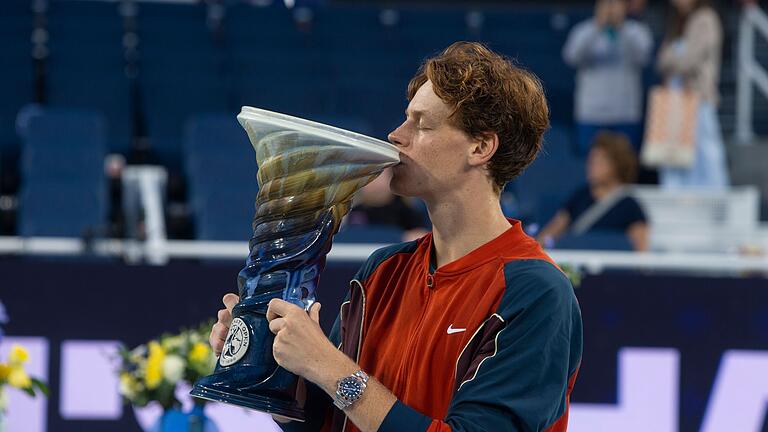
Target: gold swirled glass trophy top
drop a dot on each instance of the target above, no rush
(307, 174)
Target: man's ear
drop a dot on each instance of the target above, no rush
(483, 148)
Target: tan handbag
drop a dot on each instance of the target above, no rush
(670, 128)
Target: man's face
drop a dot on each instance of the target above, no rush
(434, 152)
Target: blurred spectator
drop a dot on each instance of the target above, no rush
(690, 58)
(375, 204)
(604, 205)
(609, 52)
(636, 8)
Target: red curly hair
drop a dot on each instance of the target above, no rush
(489, 93)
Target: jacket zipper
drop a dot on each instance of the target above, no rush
(415, 334)
(362, 320)
(359, 339)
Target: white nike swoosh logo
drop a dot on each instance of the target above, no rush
(452, 330)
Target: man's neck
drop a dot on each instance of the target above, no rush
(462, 222)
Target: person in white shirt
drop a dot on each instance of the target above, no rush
(609, 52)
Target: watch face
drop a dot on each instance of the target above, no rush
(350, 388)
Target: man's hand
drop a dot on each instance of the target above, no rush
(300, 345)
(221, 328)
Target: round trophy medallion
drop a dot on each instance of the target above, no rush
(236, 344)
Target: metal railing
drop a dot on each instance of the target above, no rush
(590, 261)
(753, 20)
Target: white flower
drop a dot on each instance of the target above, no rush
(127, 386)
(173, 368)
(138, 352)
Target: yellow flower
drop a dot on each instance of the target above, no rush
(18, 355)
(199, 353)
(5, 370)
(128, 385)
(154, 371)
(171, 343)
(18, 378)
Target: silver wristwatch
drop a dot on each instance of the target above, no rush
(350, 389)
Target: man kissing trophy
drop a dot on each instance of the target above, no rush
(307, 175)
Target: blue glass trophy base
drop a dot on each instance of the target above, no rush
(220, 393)
(247, 374)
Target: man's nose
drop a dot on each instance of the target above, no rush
(396, 138)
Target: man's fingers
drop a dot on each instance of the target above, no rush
(225, 317)
(276, 325)
(278, 308)
(314, 312)
(218, 336)
(230, 300)
(220, 331)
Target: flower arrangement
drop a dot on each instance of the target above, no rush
(13, 374)
(150, 372)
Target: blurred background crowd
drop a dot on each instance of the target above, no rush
(93, 88)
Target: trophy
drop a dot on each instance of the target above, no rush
(308, 173)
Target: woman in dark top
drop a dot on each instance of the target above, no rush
(603, 205)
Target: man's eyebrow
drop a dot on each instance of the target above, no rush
(415, 113)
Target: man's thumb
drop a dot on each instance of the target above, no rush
(314, 312)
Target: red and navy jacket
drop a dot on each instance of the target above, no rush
(489, 342)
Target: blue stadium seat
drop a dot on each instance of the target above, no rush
(369, 234)
(16, 84)
(52, 128)
(351, 123)
(424, 28)
(181, 74)
(63, 187)
(595, 241)
(63, 145)
(61, 208)
(225, 215)
(86, 65)
(377, 99)
(558, 143)
(534, 38)
(545, 186)
(221, 168)
(217, 153)
(349, 33)
(255, 30)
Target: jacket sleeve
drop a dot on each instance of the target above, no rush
(525, 384)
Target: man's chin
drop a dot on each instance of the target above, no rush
(399, 189)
